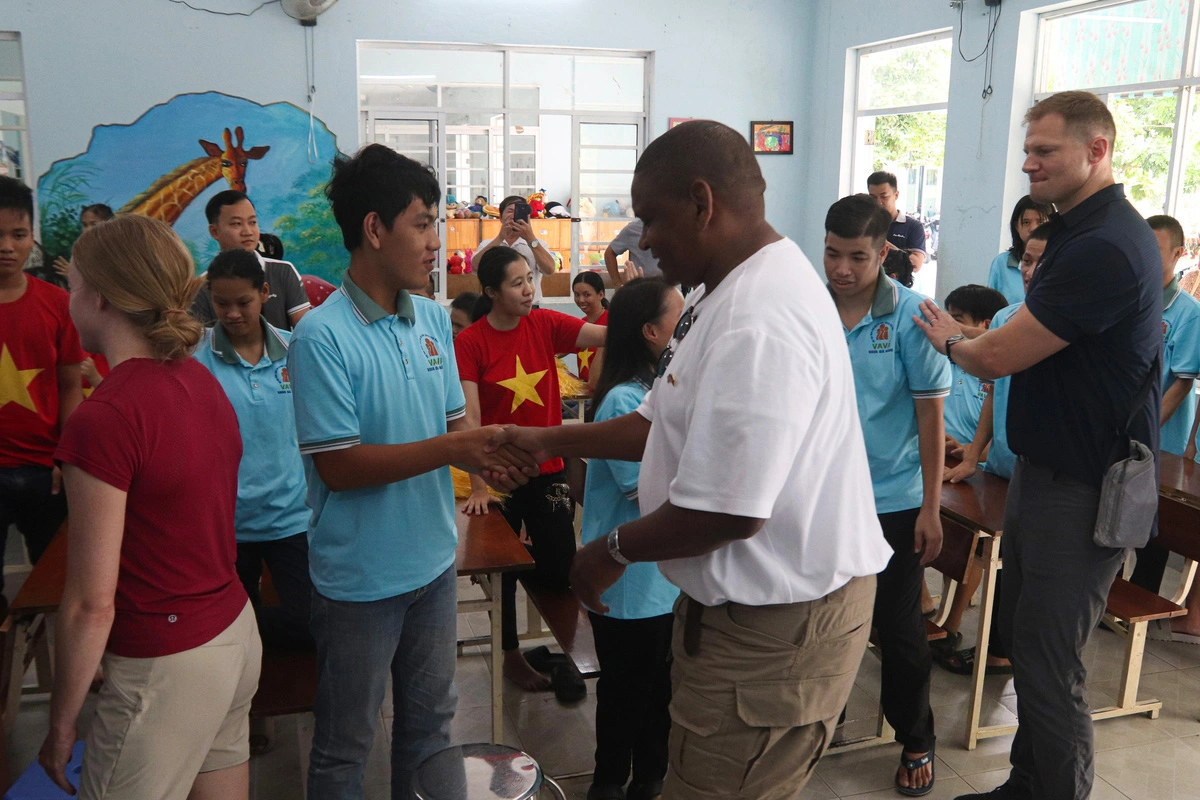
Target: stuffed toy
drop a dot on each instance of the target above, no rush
(455, 263)
(587, 208)
(537, 205)
(491, 211)
(557, 210)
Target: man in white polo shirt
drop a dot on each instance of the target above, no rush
(518, 234)
(755, 490)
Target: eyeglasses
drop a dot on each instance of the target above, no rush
(681, 330)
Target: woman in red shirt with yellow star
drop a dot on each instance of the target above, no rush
(506, 362)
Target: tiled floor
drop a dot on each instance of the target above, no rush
(1137, 758)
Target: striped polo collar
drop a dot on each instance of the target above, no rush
(275, 346)
(369, 311)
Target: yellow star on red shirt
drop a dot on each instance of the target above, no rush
(523, 385)
(14, 383)
(585, 358)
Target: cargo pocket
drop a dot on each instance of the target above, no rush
(693, 752)
(796, 720)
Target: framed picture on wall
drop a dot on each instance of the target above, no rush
(673, 121)
(772, 137)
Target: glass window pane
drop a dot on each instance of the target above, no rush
(599, 206)
(377, 95)
(472, 78)
(416, 139)
(607, 134)
(593, 158)
(1142, 156)
(11, 86)
(1113, 46)
(610, 84)
(12, 112)
(12, 154)
(523, 144)
(905, 76)
(552, 76)
(10, 60)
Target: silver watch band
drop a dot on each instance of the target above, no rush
(614, 547)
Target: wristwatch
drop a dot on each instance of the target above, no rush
(953, 340)
(534, 244)
(614, 547)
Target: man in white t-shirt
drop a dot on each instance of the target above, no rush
(518, 234)
(755, 490)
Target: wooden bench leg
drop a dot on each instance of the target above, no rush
(494, 593)
(1131, 676)
(990, 563)
(19, 648)
(1185, 584)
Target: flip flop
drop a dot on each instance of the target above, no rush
(568, 684)
(912, 766)
(963, 663)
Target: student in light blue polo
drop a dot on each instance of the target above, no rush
(633, 640)
(900, 382)
(1180, 367)
(1004, 275)
(249, 358)
(380, 416)
(971, 306)
(1181, 341)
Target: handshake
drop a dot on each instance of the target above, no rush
(506, 456)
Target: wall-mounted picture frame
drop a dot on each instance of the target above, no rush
(772, 137)
(673, 121)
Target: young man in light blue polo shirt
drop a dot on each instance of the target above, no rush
(900, 382)
(380, 416)
(248, 357)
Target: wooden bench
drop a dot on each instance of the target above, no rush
(568, 621)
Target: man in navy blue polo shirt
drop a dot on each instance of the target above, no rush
(906, 233)
(1079, 350)
(380, 416)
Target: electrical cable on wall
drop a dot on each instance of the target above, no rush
(988, 54)
(249, 13)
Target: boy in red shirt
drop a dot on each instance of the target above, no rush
(39, 380)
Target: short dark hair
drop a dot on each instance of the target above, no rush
(1043, 232)
(880, 178)
(858, 215)
(16, 196)
(465, 301)
(104, 212)
(1026, 203)
(377, 179)
(508, 201)
(1162, 222)
(897, 264)
(229, 197)
(981, 302)
(1084, 114)
(704, 150)
(236, 264)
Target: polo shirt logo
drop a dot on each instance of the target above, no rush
(432, 355)
(281, 375)
(881, 339)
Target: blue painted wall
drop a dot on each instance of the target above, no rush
(91, 62)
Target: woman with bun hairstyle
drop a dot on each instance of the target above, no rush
(506, 363)
(150, 461)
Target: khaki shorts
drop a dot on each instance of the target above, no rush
(161, 721)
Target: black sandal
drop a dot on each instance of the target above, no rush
(963, 663)
(912, 766)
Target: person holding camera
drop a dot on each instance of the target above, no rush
(516, 232)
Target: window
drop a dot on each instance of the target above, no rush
(1139, 57)
(902, 89)
(495, 121)
(14, 133)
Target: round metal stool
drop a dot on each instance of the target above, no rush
(481, 772)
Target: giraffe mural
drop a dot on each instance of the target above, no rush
(168, 196)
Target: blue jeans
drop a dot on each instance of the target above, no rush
(413, 636)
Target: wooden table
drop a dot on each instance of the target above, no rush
(487, 548)
(977, 504)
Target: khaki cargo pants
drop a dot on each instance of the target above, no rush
(754, 706)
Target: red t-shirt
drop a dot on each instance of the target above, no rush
(164, 432)
(585, 355)
(516, 370)
(36, 338)
(101, 367)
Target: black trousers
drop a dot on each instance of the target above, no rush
(633, 692)
(286, 625)
(1150, 567)
(26, 501)
(544, 506)
(900, 631)
(1056, 584)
